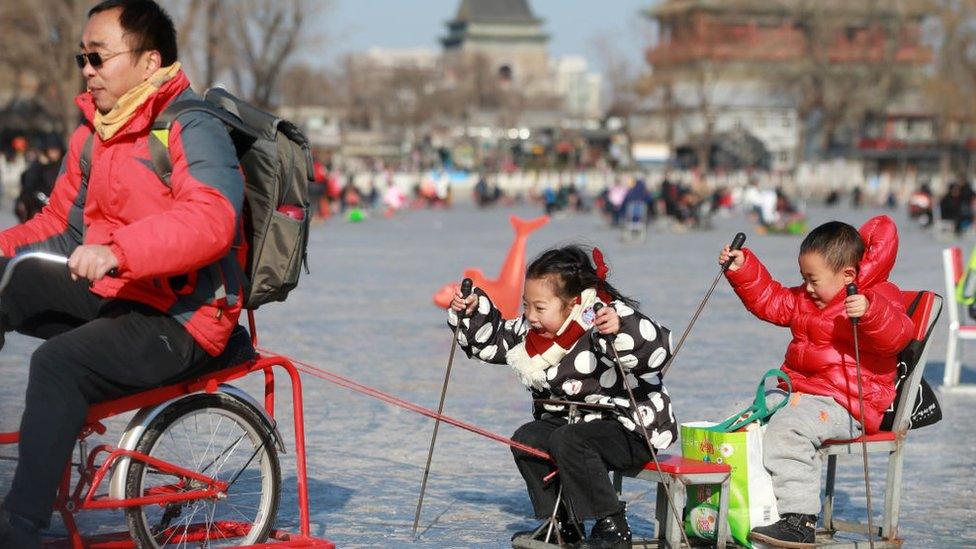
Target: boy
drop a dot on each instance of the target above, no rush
(820, 359)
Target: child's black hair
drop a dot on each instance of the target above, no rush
(572, 271)
(837, 242)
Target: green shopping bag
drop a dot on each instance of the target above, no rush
(737, 442)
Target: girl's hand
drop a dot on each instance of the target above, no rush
(856, 305)
(467, 304)
(738, 258)
(607, 321)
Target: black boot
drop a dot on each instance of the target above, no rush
(610, 532)
(570, 530)
(793, 530)
(17, 532)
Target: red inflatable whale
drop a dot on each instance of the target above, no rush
(506, 290)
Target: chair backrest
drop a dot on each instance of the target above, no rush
(952, 267)
(924, 317)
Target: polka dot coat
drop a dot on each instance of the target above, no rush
(587, 373)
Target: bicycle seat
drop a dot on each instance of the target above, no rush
(239, 349)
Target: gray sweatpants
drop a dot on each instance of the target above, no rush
(790, 445)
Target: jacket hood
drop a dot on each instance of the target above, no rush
(146, 113)
(880, 235)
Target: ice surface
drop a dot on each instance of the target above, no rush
(366, 312)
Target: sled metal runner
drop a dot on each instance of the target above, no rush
(824, 539)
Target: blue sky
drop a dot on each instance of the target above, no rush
(353, 25)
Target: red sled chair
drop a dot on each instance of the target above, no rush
(907, 413)
(197, 464)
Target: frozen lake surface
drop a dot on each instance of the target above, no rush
(365, 312)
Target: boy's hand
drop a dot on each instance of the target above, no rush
(738, 258)
(607, 321)
(856, 305)
(467, 304)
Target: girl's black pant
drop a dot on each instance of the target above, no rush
(585, 452)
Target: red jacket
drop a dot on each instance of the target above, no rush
(179, 247)
(820, 359)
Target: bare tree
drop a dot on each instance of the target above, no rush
(202, 30)
(620, 76)
(868, 77)
(687, 84)
(250, 42)
(265, 34)
(40, 37)
(951, 88)
(303, 84)
(659, 87)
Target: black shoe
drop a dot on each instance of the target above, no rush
(570, 532)
(793, 530)
(610, 532)
(17, 532)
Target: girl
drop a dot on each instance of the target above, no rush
(559, 350)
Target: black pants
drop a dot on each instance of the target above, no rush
(96, 350)
(585, 453)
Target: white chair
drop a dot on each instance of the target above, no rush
(952, 263)
(892, 443)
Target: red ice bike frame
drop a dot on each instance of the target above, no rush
(189, 485)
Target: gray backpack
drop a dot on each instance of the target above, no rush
(277, 165)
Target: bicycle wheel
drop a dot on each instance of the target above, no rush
(219, 437)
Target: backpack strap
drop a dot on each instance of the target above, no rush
(76, 220)
(159, 134)
(85, 162)
(163, 166)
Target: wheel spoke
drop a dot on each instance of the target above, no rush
(221, 445)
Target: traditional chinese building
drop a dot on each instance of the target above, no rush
(504, 35)
(778, 71)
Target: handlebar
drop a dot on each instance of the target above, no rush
(16, 260)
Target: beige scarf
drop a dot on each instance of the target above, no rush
(108, 124)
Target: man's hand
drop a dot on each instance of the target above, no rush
(92, 261)
(856, 305)
(607, 321)
(738, 258)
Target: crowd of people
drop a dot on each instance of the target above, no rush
(954, 208)
(334, 191)
(678, 203)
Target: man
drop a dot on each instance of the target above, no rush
(38, 180)
(151, 290)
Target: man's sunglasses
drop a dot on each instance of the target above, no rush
(96, 59)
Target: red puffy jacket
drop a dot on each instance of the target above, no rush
(179, 247)
(820, 359)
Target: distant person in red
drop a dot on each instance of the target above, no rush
(920, 206)
(318, 199)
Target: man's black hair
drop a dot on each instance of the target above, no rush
(837, 242)
(147, 26)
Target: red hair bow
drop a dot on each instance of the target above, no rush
(601, 267)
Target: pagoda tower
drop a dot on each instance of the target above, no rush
(504, 35)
